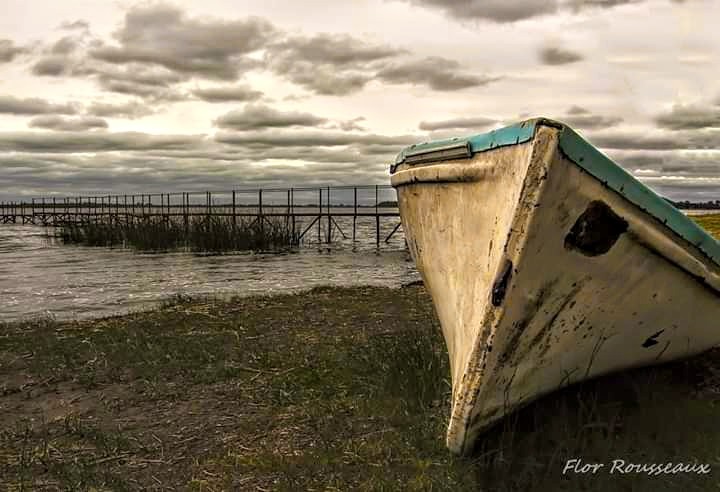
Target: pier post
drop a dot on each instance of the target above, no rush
(319, 214)
(292, 212)
(207, 219)
(329, 219)
(260, 217)
(377, 219)
(186, 205)
(287, 217)
(234, 217)
(354, 211)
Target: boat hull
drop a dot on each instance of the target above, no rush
(542, 276)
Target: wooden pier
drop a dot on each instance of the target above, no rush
(306, 208)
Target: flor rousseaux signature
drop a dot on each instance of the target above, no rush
(621, 467)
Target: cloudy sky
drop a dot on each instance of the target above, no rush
(119, 96)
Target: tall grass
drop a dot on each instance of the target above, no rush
(200, 234)
(331, 389)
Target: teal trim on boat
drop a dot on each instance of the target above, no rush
(582, 153)
(510, 135)
(587, 157)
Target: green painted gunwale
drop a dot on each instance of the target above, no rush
(597, 164)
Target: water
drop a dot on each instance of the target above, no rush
(700, 211)
(41, 277)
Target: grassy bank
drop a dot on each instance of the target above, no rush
(710, 222)
(201, 234)
(333, 389)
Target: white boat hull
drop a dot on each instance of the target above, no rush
(542, 277)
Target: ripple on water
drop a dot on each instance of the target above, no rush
(38, 276)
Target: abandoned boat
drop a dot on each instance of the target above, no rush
(548, 264)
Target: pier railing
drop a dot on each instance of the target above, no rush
(306, 207)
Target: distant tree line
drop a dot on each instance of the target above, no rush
(686, 205)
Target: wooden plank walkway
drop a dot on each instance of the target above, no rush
(323, 204)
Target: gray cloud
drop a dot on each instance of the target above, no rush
(437, 73)
(329, 64)
(52, 66)
(580, 117)
(506, 12)
(577, 110)
(146, 91)
(687, 117)
(310, 139)
(59, 123)
(8, 50)
(354, 153)
(324, 79)
(162, 35)
(62, 56)
(64, 45)
(688, 164)
(258, 116)
(135, 79)
(332, 49)
(683, 190)
(680, 140)
(93, 141)
(78, 24)
(553, 55)
(676, 174)
(153, 170)
(130, 109)
(228, 93)
(491, 10)
(33, 105)
(457, 123)
(350, 125)
(578, 5)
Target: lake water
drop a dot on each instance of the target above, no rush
(41, 277)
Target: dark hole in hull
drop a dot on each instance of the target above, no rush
(596, 230)
(501, 283)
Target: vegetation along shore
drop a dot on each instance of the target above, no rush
(328, 389)
(200, 234)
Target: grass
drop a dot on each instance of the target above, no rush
(331, 389)
(709, 222)
(201, 234)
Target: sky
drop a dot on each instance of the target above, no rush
(135, 97)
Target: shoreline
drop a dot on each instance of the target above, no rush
(330, 387)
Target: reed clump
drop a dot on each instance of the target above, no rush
(198, 234)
